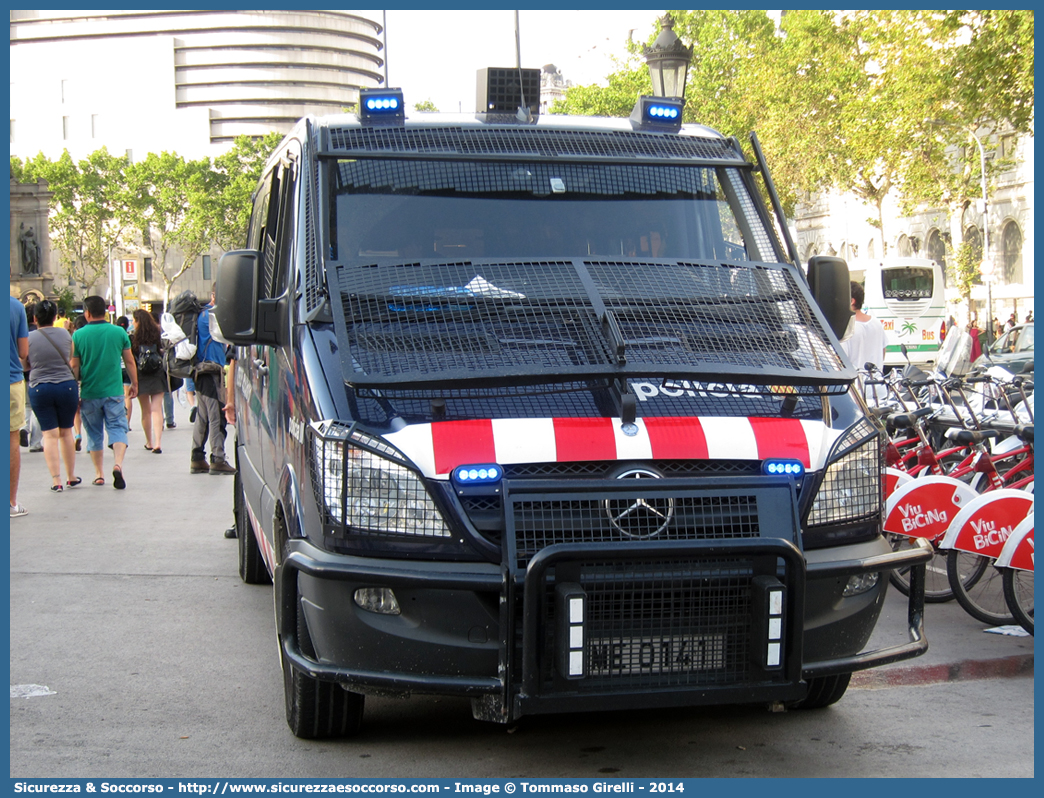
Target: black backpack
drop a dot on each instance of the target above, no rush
(149, 360)
(185, 309)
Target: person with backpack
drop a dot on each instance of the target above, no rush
(210, 399)
(152, 377)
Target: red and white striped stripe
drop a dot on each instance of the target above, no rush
(438, 448)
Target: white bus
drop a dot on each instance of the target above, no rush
(908, 296)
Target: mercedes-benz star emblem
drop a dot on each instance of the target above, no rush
(639, 518)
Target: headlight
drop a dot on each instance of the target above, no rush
(369, 493)
(851, 488)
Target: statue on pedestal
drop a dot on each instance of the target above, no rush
(30, 250)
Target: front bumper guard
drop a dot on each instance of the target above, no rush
(286, 595)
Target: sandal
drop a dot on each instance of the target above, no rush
(148, 448)
(72, 483)
(157, 451)
(56, 488)
(78, 443)
(98, 481)
(117, 479)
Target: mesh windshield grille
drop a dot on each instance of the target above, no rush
(368, 177)
(542, 143)
(478, 321)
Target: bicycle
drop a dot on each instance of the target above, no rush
(1016, 566)
(973, 541)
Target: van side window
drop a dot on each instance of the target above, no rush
(259, 215)
(274, 223)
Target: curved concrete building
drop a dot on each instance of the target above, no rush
(85, 78)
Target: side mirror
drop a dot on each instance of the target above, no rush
(831, 287)
(237, 307)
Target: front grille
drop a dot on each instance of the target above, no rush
(662, 624)
(632, 515)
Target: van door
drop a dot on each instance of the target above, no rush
(270, 363)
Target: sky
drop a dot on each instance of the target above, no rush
(435, 55)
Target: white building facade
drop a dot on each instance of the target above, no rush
(179, 81)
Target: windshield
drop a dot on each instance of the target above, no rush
(409, 210)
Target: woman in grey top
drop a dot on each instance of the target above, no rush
(53, 393)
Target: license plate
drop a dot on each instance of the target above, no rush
(636, 655)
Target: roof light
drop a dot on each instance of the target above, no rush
(658, 113)
(381, 106)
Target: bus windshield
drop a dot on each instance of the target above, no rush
(907, 282)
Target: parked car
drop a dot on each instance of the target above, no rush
(1013, 350)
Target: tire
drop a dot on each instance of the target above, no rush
(978, 587)
(252, 568)
(936, 583)
(1018, 591)
(824, 691)
(317, 709)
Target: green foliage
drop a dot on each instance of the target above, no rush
(425, 107)
(237, 172)
(869, 102)
(963, 269)
(65, 301)
(88, 209)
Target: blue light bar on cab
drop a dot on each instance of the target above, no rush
(477, 474)
(783, 468)
(381, 106)
(658, 113)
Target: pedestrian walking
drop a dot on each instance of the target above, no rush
(33, 437)
(124, 322)
(152, 377)
(72, 326)
(53, 394)
(19, 352)
(867, 342)
(98, 349)
(210, 400)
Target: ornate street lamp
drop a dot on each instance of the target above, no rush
(668, 61)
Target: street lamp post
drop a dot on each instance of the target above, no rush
(986, 267)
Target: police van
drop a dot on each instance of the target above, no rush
(543, 411)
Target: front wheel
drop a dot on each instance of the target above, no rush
(1018, 591)
(936, 584)
(317, 709)
(824, 691)
(978, 587)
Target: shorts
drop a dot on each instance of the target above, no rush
(17, 405)
(55, 403)
(190, 385)
(104, 415)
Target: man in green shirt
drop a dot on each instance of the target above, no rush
(99, 350)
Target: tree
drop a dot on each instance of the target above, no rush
(89, 209)
(425, 107)
(172, 205)
(237, 172)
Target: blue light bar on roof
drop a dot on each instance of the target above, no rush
(658, 113)
(381, 105)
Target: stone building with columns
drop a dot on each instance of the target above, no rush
(838, 224)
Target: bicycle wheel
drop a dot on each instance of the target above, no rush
(978, 587)
(1018, 590)
(936, 583)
